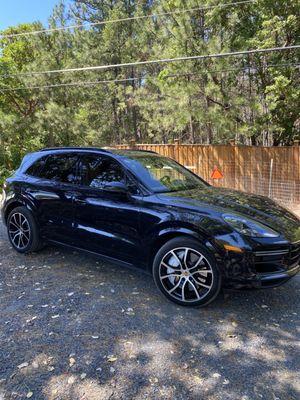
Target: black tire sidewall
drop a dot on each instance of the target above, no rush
(34, 233)
(192, 243)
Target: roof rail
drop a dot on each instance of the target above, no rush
(74, 148)
(104, 150)
(142, 150)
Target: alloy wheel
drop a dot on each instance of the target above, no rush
(186, 274)
(19, 230)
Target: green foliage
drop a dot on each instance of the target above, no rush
(209, 101)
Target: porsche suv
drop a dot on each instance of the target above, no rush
(139, 208)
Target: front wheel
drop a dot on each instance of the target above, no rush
(23, 231)
(186, 273)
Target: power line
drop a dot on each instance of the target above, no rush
(80, 83)
(138, 17)
(107, 81)
(149, 62)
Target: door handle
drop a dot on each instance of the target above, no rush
(75, 196)
(79, 201)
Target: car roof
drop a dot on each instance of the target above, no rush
(30, 158)
(107, 150)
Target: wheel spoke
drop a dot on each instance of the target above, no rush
(15, 221)
(197, 263)
(25, 235)
(15, 230)
(185, 258)
(182, 290)
(15, 235)
(12, 223)
(203, 272)
(176, 286)
(19, 240)
(200, 283)
(168, 275)
(195, 289)
(168, 266)
(177, 258)
(22, 241)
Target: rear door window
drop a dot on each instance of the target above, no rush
(98, 171)
(60, 168)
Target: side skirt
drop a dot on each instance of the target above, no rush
(108, 259)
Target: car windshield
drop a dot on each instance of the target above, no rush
(162, 174)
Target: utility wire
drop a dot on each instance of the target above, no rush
(149, 62)
(138, 17)
(80, 83)
(107, 81)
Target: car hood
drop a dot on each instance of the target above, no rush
(259, 208)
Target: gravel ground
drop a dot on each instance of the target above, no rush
(73, 327)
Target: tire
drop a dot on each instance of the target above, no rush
(186, 273)
(27, 238)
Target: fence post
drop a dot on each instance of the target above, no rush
(132, 144)
(177, 149)
(232, 142)
(296, 171)
(270, 177)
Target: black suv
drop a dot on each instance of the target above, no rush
(139, 208)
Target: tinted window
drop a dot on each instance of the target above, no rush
(36, 167)
(60, 168)
(98, 171)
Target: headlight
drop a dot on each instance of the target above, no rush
(249, 227)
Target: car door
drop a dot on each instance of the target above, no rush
(106, 222)
(51, 190)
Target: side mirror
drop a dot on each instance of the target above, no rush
(115, 187)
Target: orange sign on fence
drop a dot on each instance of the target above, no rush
(216, 173)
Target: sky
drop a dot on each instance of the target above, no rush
(13, 12)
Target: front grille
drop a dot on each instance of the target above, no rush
(272, 261)
(295, 253)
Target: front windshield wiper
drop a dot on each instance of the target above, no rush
(168, 191)
(175, 190)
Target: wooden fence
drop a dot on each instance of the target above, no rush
(270, 171)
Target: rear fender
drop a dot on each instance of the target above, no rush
(17, 201)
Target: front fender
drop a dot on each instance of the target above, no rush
(180, 230)
(163, 234)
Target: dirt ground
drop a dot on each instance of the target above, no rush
(73, 327)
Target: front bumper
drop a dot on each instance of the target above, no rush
(277, 278)
(261, 269)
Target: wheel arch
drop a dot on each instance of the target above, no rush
(168, 234)
(16, 202)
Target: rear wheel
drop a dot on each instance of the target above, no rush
(186, 273)
(23, 231)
